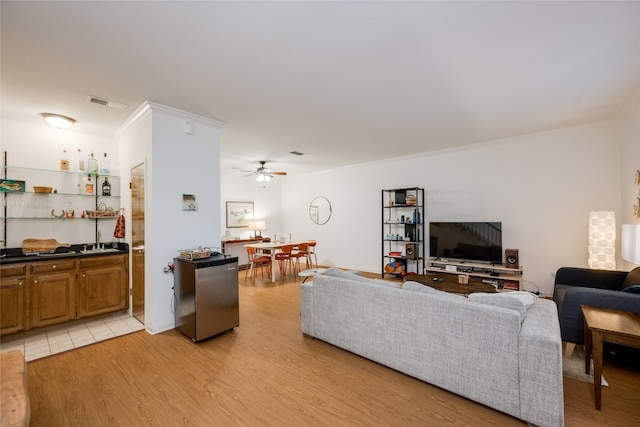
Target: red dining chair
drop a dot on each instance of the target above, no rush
(312, 253)
(302, 252)
(257, 260)
(285, 259)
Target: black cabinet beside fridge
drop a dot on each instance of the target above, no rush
(206, 296)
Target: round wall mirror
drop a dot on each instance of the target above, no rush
(320, 210)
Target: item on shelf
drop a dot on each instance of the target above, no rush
(105, 167)
(101, 214)
(92, 165)
(64, 161)
(410, 200)
(79, 163)
(40, 189)
(395, 267)
(395, 253)
(88, 186)
(416, 216)
(12, 186)
(106, 186)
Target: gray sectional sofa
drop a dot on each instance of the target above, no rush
(509, 359)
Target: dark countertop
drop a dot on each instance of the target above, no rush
(14, 255)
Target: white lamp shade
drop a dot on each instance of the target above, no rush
(630, 242)
(602, 240)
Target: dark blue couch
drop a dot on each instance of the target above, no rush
(597, 288)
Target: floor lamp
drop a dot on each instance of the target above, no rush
(602, 240)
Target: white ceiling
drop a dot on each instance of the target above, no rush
(342, 82)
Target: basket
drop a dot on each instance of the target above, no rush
(40, 189)
(199, 253)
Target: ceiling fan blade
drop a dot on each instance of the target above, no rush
(278, 173)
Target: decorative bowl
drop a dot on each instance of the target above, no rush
(40, 189)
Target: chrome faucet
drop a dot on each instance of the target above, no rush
(98, 242)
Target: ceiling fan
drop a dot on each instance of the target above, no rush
(263, 173)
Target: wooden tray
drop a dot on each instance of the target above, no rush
(102, 214)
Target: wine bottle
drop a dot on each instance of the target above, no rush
(105, 168)
(106, 187)
(92, 165)
(64, 161)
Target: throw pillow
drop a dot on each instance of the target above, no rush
(633, 289)
(527, 298)
(633, 278)
(498, 300)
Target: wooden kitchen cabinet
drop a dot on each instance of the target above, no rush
(52, 290)
(103, 284)
(13, 279)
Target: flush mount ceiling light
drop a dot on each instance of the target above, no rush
(58, 121)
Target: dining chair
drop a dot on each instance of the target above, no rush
(312, 253)
(285, 259)
(302, 252)
(257, 260)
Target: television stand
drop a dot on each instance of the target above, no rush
(508, 279)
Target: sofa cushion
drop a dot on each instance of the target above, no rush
(633, 278)
(503, 300)
(351, 275)
(426, 289)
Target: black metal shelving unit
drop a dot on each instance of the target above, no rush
(403, 233)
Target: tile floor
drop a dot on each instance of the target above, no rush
(35, 345)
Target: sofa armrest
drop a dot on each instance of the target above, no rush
(540, 358)
(306, 308)
(572, 320)
(590, 278)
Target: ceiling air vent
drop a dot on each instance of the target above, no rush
(106, 103)
(98, 101)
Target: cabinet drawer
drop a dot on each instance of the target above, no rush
(13, 270)
(103, 261)
(53, 266)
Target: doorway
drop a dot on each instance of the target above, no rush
(137, 241)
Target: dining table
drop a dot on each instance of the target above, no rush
(270, 249)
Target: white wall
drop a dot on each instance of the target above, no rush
(32, 143)
(541, 187)
(177, 163)
(236, 186)
(630, 161)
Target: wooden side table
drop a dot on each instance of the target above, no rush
(606, 325)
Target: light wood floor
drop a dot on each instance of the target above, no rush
(266, 373)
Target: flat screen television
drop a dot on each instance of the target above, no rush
(467, 241)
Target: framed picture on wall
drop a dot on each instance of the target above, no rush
(239, 214)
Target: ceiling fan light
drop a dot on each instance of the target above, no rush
(267, 178)
(58, 121)
(260, 177)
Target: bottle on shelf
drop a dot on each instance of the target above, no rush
(79, 163)
(92, 165)
(105, 167)
(106, 187)
(88, 186)
(64, 161)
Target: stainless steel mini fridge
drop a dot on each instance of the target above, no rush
(206, 296)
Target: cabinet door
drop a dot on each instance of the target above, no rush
(103, 285)
(53, 298)
(12, 307)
